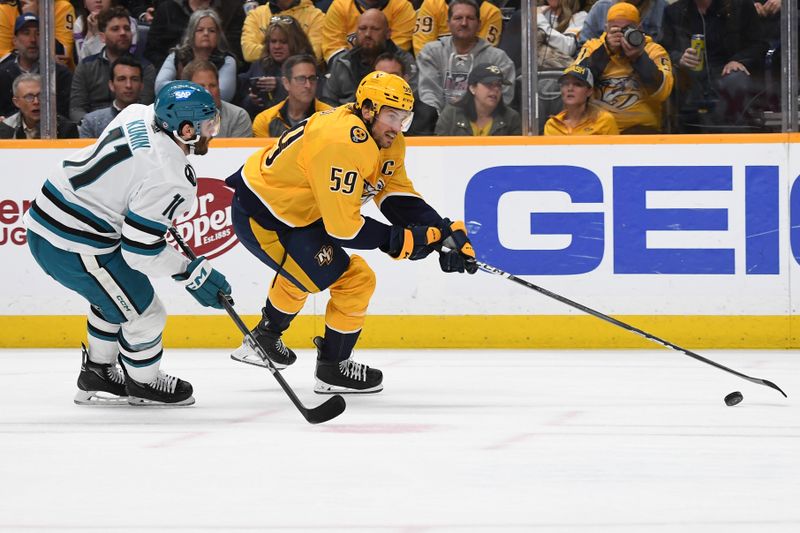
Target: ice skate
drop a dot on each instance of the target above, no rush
(280, 355)
(345, 377)
(100, 384)
(163, 391)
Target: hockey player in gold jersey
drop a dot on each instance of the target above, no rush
(297, 205)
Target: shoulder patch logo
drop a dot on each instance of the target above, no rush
(190, 175)
(358, 135)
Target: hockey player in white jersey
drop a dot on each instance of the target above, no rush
(98, 227)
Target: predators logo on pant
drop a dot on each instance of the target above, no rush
(325, 255)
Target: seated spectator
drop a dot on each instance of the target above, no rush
(432, 23)
(579, 116)
(90, 83)
(651, 13)
(715, 88)
(87, 33)
(631, 82)
(424, 121)
(234, 121)
(284, 38)
(168, 26)
(300, 81)
(25, 124)
(558, 23)
(349, 68)
(257, 21)
(64, 18)
(26, 59)
(126, 86)
(203, 39)
(445, 64)
(481, 111)
(341, 19)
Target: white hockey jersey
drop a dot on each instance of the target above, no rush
(124, 190)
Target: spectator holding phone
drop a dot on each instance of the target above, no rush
(203, 39)
(283, 38)
(300, 81)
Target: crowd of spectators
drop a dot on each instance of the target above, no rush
(623, 66)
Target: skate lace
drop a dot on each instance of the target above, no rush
(351, 369)
(164, 383)
(115, 374)
(279, 346)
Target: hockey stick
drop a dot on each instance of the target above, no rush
(331, 408)
(493, 270)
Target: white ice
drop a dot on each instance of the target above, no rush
(459, 441)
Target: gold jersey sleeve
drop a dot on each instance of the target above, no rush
(317, 170)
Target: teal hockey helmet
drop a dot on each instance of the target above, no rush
(179, 102)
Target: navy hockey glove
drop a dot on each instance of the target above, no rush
(413, 243)
(457, 254)
(204, 283)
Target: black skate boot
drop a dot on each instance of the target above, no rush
(344, 377)
(163, 391)
(270, 341)
(100, 384)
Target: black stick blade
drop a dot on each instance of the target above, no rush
(328, 410)
(772, 385)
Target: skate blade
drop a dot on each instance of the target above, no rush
(324, 388)
(99, 399)
(143, 402)
(244, 354)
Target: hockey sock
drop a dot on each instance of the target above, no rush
(275, 320)
(338, 346)
(102, 337)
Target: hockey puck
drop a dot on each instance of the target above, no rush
(733, 398)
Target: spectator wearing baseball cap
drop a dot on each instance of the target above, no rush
(25, 60)
(579, 116)
(632, 73)
(15, 15)
(481, 110)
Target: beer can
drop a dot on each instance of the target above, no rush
(699, 44)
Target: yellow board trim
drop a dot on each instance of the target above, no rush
(737, 138)
(487, 332)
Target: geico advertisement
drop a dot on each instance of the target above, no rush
(633, 229)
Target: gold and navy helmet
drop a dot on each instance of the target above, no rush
(383, 89)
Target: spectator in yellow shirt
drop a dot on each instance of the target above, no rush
(300, 78)
(432, 23)
(632, 73)
(579, 116)
(258, 20)
(341, 20)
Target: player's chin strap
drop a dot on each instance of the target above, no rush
(190, 143)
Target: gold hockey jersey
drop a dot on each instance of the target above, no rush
(619, 90)
(327, 167)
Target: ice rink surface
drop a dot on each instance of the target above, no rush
(459, 441)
